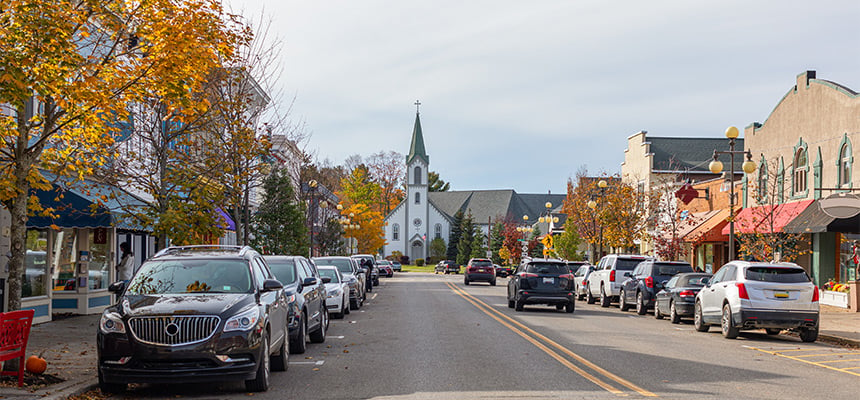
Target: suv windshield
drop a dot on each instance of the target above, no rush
(626, 264)
(283, 269)
(482, 263)
(328, 272)
(547, 268)
(341, 264)
(670, 269)
(776, 274)
(192, 276)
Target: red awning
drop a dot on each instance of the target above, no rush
(767, 219)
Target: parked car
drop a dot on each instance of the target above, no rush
(353, 274)
(641, 286)
(302, 278)
(580, 276)
(574, 265)
(447, 267)
(385, 268)
(396, 266)
(605, 281)
(542, 281)
(337, 291)
(678, 296)
(368, 261)
(195, 314)
(503, 271)
(480, 269)
(754, 295)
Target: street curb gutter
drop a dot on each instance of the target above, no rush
(839, 340)
(72, 390)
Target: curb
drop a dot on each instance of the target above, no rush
(839, 340)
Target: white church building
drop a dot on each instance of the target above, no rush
(423, 215)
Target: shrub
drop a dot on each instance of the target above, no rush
(419, 262)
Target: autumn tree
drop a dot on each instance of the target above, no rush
(359, 197)
(436, 184)
(665, 220)
(279, 224)
(388, 169)
(69, 70)
(361, 189)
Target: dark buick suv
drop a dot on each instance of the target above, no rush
(542, 281)
(195, 314)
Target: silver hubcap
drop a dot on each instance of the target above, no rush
(672, 310)
(725, 321)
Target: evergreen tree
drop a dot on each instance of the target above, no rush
(467, 234)
(437, 249)
(497, 240)
(279, 225)
(535, 247)
(454, 239)
(478, 248)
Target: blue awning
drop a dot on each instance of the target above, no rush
(89, 205)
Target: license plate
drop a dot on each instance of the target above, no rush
(780, 295)
(548, 280)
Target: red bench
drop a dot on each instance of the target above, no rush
(14, 331)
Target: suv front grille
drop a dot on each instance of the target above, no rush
(173, 330)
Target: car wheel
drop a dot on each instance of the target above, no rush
(510, 304)
(340, 314)
(493, 282)
(641, 308)
(589, 298)
(698, 319)
(298, 344)
(773, 331)
(727, 325)
(622, 301)
(280, 361)
(110, 388)
(518, 305)
(355, 304)
(809, 334)
(673, 314)
(347, 307)
(604, 299)
(318, 335)
(657, 313)
(466, 281)
(260, 383)
(570, 307)
(559, 307)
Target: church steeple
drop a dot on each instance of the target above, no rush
(416, 149)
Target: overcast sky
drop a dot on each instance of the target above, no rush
(520, 94)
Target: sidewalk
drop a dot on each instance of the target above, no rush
(69, 346)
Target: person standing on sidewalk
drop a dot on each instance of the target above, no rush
(125, 268)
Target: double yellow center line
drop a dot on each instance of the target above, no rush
(535, 338)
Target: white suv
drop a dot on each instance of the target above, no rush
(604, 283)
(754, 295)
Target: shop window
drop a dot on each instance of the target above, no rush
(65, 256)
(35, 280)
(99, 267)
(845, 165)
(801, 168)
(395, 232)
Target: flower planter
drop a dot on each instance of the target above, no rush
(836, 299)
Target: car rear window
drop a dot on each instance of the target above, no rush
(777, 274)
(626, 264)
(547, 268)
(671, 269)
(694, 280)
(482, 263)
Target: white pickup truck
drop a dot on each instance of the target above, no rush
(604, 282)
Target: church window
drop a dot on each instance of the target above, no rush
(417, 179)
(395, 232)
(438, 231)
(418, 198)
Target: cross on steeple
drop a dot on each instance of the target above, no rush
(417, 106)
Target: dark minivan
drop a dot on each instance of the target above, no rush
(539, 281)
(648, 278)
(195, 314)
(302, 280)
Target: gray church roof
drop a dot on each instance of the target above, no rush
(687, 154)
(494, 204)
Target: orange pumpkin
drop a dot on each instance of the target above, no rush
(36, 364)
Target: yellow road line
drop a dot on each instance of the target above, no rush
(845, 369)
(565, 350)
(805, 361)
(541, 346)
(836, 361)
(826, 354)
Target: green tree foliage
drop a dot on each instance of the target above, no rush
(454, 239)
(438, 248)
(497, 241)
(361, 189)
(467, 235)
(567, 244)
(435, 184)
(279, 225)
(479, 250)
(535, 247)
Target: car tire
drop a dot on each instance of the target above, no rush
(466, 281)
(809, 335)
(510, 304)
(772, 331)
(299, 344)
(348, 307)
(673, 314)
(641, 308)
(318, 335)
(341, 314)
(355, 305)
(699, 320)
(260, 383)
(727, 325)
(493, 282)
(604, 299)
(280, 361)
(657, 313)
(622, 301)
(589, 298)
(110, 388)
(559, 307)
(519, 305)
(570, 307)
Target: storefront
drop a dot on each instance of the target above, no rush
(832, 243)
(710, 246)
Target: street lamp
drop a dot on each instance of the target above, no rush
(716, 167)
(312, 188)
(525, 230)
(592, 204)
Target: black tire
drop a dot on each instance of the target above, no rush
(298, 344)
(698, 319)
(641, 308)
(280, 361)
(730, 331)
(605, 301)
(772, 331)
(493, 282)
(622, 301)
(341, 314)
(519, 305)
(466, 281)
(510, 303)
(589, 298)
(673, 314)
(570, 307)
(318, 335)
(355, 304)
(657, 313)
(809, 335)
(110, 388)
(260, 383)
(559, 307)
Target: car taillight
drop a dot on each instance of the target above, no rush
(742, 291)
(528, 275)
(612, 276)
(566, 276)
(649, 282)
(687, 293)
(815, 294)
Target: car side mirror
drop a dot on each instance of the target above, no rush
(627, 274)
(706, 281)
(117, 287)
(270, 285)
(309, 281)
(326, 279)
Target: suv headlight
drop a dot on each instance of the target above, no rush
(243, 321)
(111, 322)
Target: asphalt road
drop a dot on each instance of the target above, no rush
(423, 336)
